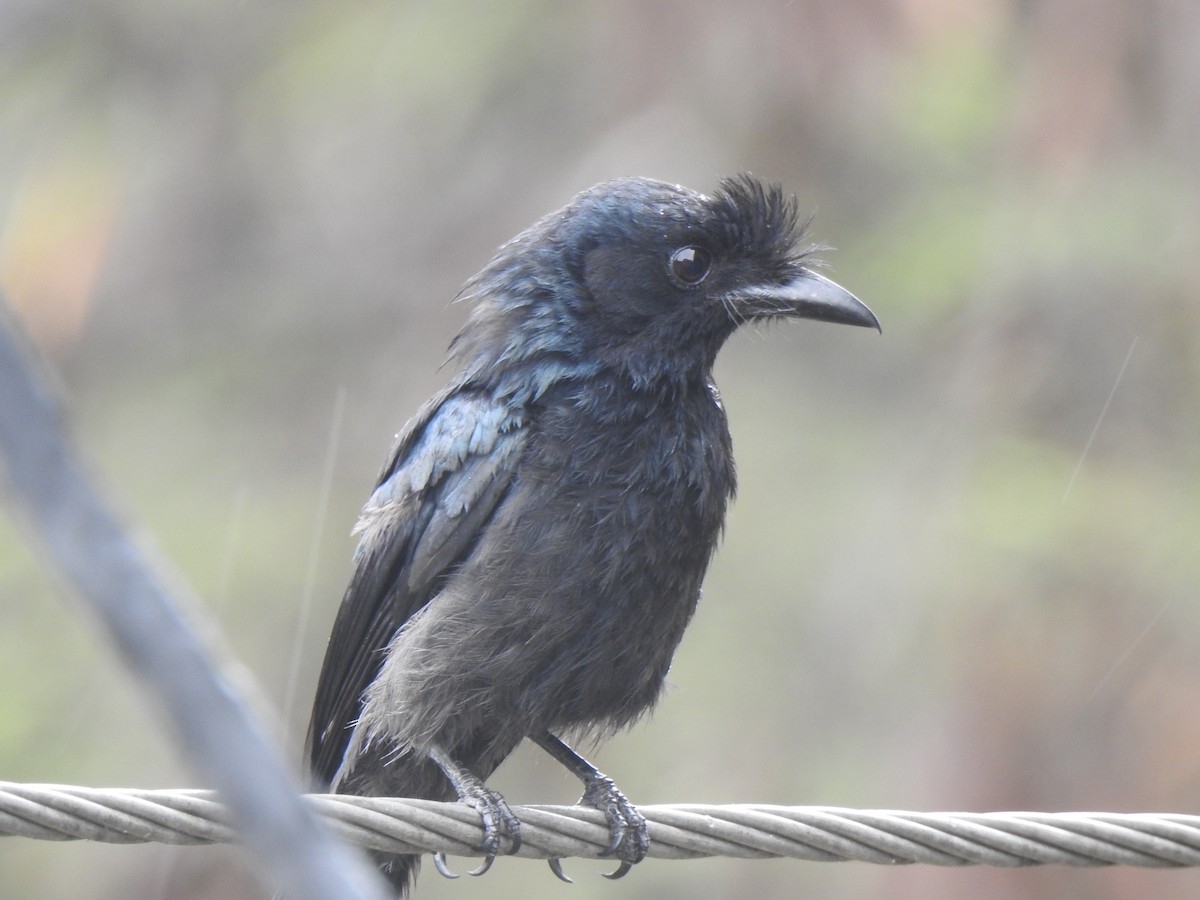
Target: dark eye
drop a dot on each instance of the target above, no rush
(690, 265)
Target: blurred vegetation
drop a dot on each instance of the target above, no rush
(962, 570)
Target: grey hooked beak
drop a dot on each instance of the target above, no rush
(807, 296)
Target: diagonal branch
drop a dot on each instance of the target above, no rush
(79, 536)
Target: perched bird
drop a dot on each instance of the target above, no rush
(535, 546)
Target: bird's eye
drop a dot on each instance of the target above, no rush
(690, 265)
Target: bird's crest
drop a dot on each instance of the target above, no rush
(761, 220)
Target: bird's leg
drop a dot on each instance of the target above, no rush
(496, 817)
(628, 838)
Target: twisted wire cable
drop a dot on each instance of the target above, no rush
(680, 831)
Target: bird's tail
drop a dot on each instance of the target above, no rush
(399, 869)
(406, 776)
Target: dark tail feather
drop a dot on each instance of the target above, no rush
(388, 776)
(400, 870)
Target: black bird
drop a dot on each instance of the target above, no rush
(535, 545)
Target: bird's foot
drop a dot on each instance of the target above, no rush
(498, 822)
(628, 836)
(495, 816)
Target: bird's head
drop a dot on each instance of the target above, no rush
(647, 278)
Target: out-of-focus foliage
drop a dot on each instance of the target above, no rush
(964, 565)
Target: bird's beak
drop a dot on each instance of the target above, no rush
(807, 296)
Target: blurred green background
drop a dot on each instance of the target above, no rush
(962, 570)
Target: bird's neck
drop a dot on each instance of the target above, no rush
(631, 385)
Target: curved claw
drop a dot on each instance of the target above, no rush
(482, 869)
(616, 834)
(557, 869)
(439, 863)
(621, 871)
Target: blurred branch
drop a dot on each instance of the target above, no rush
(692, 831)
(81, 538)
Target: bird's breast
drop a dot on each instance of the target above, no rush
(636, 453)
(616, 515)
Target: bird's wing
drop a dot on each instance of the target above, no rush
(448, 470)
